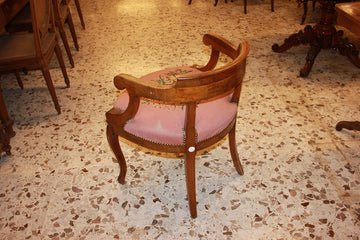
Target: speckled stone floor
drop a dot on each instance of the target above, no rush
(302, 177)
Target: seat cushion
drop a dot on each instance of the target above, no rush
(164, 124)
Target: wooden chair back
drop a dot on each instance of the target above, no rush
(42, 22)
(34, 50)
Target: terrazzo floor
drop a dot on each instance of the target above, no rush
(302, 177)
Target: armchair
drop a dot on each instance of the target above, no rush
(181, 109)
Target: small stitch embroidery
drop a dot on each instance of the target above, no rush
(168, 78)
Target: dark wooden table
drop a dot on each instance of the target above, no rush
(322, 36)
(349, 17)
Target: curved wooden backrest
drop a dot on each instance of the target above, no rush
(198, 86)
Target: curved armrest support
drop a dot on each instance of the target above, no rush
(136, 89)
(218, 44)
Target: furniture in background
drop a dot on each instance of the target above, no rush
(78, 8)
(349, 17)
(34, 50)
(181, 109)
(62, 16)
(322, 36)
(351, 125)
(305, 6)
(22, 22)
(8, 10)
(6, 130)
(245, 4)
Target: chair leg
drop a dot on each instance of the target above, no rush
(77, 3)
(245, 6)
(7, 124)
(189, 2)
(113, 141)
(65, 42)
(305, 2)
(50, 86)
(72, 31)
(62, 64)
(234, 152)
(272, 5)
(190, 181)
(18, 78)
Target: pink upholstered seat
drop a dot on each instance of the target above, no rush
(161, 123)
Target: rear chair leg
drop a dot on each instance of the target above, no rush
(233, 151)
(62, 64)
(78, 8)
(51, 88)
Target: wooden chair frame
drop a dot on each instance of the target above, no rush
(189, 89)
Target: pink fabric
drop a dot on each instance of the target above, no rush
(164, 124)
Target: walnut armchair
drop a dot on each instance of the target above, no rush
(181, 109)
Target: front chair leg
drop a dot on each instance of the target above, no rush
(190, 181)
(113, 141)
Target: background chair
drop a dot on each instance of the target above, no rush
(245, 4)
(305, 6)
(34, 50)
(6, 130)
(62, 15)
(78, 8)
(185, 109)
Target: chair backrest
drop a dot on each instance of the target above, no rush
(209, 84)
(215, 83)
(59, 13)
(42, 21)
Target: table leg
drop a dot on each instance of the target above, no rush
(355, 125)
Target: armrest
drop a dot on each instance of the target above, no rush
(136, 87)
